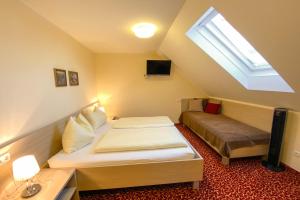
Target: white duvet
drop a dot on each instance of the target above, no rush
(118, 140)
(142, 122)
(86, 158)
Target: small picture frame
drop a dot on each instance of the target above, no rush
(60, 77)
(73, 78)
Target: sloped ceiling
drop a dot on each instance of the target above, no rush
(272, 27)
(104, 26)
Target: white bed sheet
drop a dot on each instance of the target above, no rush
(143, 122)
(86, 158)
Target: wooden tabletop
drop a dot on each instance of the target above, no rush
(51, 180)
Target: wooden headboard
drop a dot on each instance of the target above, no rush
(43, 143)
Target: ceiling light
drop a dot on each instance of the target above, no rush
(144, 30)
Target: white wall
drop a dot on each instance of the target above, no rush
(30, 48)
(124, 90)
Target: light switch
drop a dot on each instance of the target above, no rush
(4, 158)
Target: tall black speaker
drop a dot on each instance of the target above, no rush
(273, 162)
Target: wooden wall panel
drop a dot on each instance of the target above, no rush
(252, 114)
(43, 143)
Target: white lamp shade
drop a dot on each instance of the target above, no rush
(102, 109)
(25, 168)
(144, 30)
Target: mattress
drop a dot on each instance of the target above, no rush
(86, 158)
(224, 133)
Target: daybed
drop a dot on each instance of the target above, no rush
(131, 168)
(229, 137)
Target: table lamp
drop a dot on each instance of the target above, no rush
(102, 108)
(24, 169)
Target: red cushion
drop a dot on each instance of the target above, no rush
(212, 108)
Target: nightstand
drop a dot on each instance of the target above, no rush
(57, 184)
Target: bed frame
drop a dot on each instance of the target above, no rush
(46, 141)
(257, 150)
(141, 174)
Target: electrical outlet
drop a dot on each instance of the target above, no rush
(4, 158)
(297, 153)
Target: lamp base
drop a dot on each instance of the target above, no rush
(275, 168)
(31, 191)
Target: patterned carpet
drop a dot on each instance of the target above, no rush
(244, 179)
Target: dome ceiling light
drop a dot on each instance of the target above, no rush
(144, 30)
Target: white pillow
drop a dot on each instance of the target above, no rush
(81, 120)
(89, 109)
(96, 117)
(75, 136)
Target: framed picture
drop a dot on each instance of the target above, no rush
(73, 78)
(60, 76)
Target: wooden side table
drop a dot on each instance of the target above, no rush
(57, 184)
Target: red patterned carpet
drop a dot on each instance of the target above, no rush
(243, 179)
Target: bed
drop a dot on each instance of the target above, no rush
(229, 137)
(131, 168)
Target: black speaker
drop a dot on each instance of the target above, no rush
(279, 119)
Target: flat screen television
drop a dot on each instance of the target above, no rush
(158, 67)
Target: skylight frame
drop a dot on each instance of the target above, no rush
(229, 32)
(236, 51)
(210, 25)
(229, 57)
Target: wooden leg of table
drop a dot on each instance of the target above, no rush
(225, 160)
(196, 185)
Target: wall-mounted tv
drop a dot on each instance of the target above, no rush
(158, 67)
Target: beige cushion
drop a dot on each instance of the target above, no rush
(82, 121)
(75, 136)
(96, 117)
(195, 105)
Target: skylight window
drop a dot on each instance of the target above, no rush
(221, 41)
